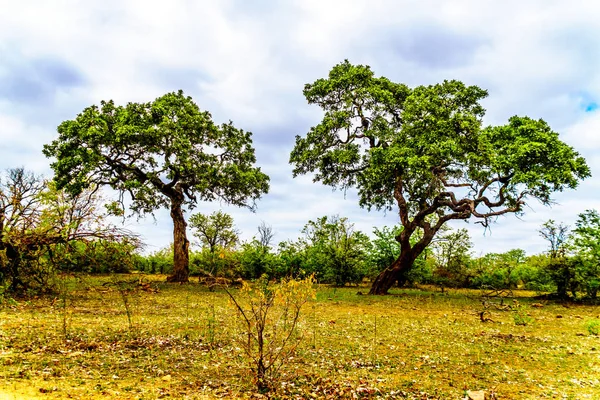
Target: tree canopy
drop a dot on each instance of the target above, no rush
(164, 154)
(425, 151)
(337, 249)
(215, 230)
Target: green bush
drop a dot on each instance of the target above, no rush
(159, 262)
(221, 262)
(290, 260)
(100, 256)
(256, 260)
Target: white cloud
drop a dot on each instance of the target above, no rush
(248, 62)
(585, 133)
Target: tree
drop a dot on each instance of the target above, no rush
(216, 234)
(42, 229)
(452, 251)
(586, 243)
(424, 151)
(560, 267)
(164, 154)
(556, 236)
(338, 252)
(20, 210)
(214, 230)
(265, 235)
(256, 257)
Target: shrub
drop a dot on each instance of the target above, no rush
(269, 317)
(159, 262)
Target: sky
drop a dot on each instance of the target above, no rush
(248, 61)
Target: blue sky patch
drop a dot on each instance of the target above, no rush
(593, 106)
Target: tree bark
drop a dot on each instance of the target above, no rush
(408, 254)
(386, 279)
(181, 244)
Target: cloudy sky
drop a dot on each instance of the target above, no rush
(247, 61)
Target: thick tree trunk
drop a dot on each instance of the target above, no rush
(391, 274)
(181, 244)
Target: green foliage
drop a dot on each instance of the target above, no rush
(163, 154)
(292, 260)
(221, 262)
(424, 150)
(215, 230)
(335, 252)
(158, 262)
(256, 260)
(535, 275)
(586, 244)
(502, 270)
(520, 316)
(98, 256)
(385, 249)
(5, 297)
(452, 252)
(148, 149)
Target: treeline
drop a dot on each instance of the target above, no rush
(45, 232)
(338, 254)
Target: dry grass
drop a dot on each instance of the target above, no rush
(413, 344)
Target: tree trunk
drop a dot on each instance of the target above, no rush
(393, 273)
(181, 244)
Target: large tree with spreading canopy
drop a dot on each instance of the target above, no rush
(165, 154)
(425, 152)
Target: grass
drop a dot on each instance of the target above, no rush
(412, 344)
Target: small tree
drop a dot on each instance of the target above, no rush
(216, 233)
(43, 229)
(556, 236)
(559, 266)
(164, 154)
(425, 152)
(256, 257)
(20, 211)
(337, 250)
(452, 253)
(265, 235)
(586, 244)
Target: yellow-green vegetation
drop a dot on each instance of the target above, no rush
(99, 339)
